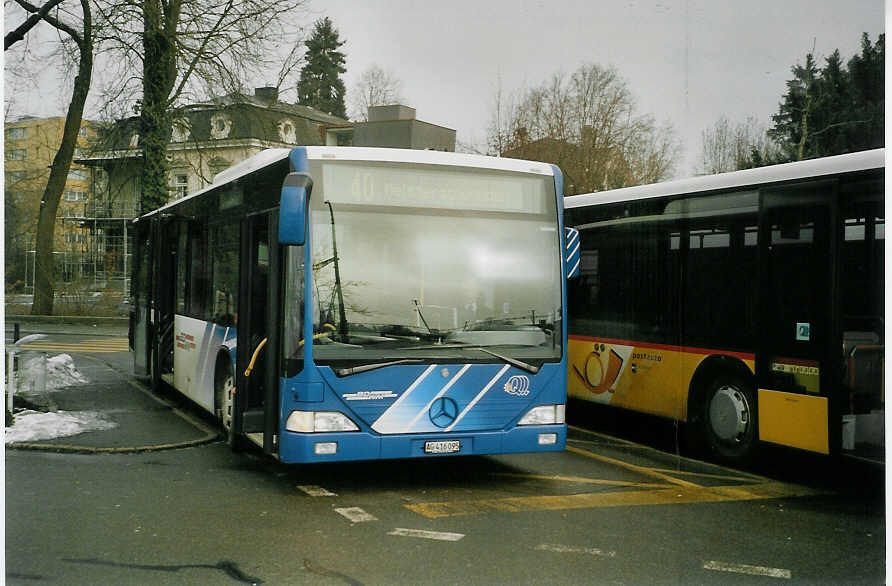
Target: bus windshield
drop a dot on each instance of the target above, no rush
(424, 262)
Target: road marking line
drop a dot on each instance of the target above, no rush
(426, 534)
(92, 346)
(604, 436)
(634, 468)
(355, 514)
(580, 480)
(750, 570)
(739, 477)
(632, 444)
(668, 496)
(571, 549)
(315, 490)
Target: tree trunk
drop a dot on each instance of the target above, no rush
(159, 75)
(803, 127)
(49, 204)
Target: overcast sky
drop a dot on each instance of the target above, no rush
(687, 62)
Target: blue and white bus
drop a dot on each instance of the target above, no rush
(343, 303)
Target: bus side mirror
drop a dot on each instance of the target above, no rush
(571, 252)
(294, 207)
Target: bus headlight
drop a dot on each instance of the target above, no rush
(319, 422)
(544, 415)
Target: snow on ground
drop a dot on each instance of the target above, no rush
(61, 374)
(33, 426)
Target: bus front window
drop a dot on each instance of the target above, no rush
(429, 263)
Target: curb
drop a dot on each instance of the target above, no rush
(211, 435)
(74, 449)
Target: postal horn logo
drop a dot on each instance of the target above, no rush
(443, 412)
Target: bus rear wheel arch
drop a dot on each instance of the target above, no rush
(722, 412)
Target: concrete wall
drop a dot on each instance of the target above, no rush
(404, 134)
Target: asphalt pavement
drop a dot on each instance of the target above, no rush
(142, 418)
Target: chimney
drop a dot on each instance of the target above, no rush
(267, 94)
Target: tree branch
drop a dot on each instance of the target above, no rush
(53, 21)
(19, 33)
(199, 53)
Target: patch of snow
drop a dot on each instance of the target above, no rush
(60, 373)
(34, 426)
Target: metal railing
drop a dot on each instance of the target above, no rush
(113, 209)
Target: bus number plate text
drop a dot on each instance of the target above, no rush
(443, 447)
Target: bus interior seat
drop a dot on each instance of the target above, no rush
(865, 365)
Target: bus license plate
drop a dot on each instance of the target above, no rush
(444, 447)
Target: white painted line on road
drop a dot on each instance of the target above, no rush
(355, 514)
(315, 490)
(750, 570)
(426, 534)
(572, 549)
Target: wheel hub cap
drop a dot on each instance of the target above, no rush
(729, 414)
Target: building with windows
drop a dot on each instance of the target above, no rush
(30, 145)
(208, 137)
(103, 193)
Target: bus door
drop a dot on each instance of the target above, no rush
(256, 401)
(861, 234)
(141, 300)
(795, 362)
(170, 259)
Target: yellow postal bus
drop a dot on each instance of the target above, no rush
(748, 305)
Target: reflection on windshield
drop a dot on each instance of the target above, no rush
(394, 282)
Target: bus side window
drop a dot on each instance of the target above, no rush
(198, 292)
(224, 274)
(181, 268)
(861, 295)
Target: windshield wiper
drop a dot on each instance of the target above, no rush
(372, 366)
(512, 361)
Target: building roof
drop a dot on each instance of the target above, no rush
(294, 109)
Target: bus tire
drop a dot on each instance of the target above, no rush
(224, 391)
(728, 421)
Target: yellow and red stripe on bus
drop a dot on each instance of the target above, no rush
(641, 376)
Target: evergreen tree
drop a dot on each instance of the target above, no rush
(791, 123)
(867, 79)
(836, 109)
(320, 85)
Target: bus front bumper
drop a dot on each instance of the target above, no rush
(332, 447)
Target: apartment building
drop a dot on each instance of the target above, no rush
(30, 144)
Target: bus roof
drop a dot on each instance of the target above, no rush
(378, 154)
(848, 163)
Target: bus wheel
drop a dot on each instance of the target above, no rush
(224, 389)
(729, 420)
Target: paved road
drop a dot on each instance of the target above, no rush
(606, 511)
(603, 512)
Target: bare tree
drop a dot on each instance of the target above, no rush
(586, 124)
(173, 52)
(375, 87)
(728, 146)
(33, 20)
(79, 29)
